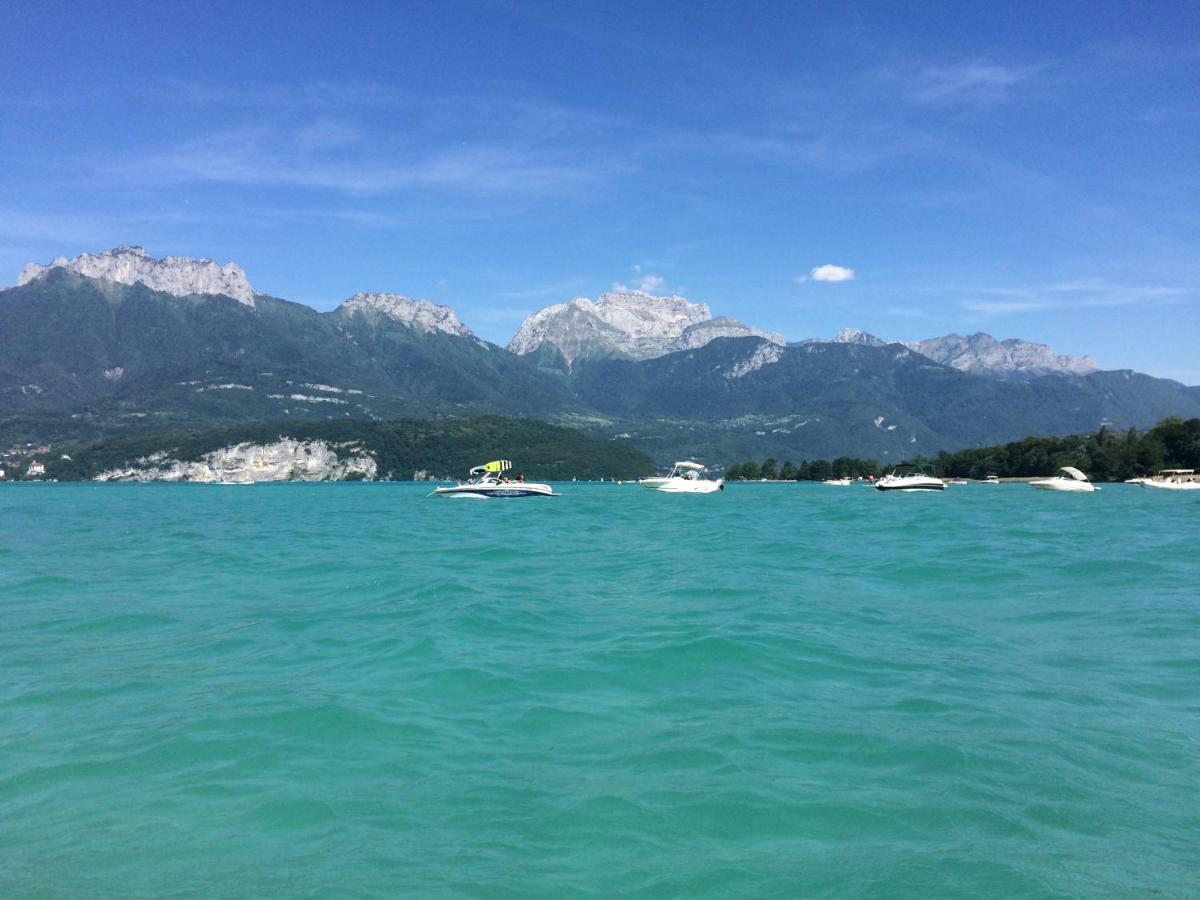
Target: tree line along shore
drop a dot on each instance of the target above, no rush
(418, 449)
(1105, 456)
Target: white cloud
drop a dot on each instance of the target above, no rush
(647, 284)
(1084, 293)
(973, 81)
(832, 273)
(1003, 307)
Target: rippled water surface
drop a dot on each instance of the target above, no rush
(778, 690)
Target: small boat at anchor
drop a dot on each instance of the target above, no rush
(1068, 479)
(1173, 480)
(910, 479)
(685, 479)
(489, 481)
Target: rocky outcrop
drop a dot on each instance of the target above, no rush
(177, 275)
(628, 324)
(284, 460)
(854, 336)
(982, 354)
(721, 327)
(418, 314)
(764, 354)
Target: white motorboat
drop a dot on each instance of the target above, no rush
(1173, 480)
(685, 479)
(910, 478)
(488, 481)
(653, 483)
(991, 479)
(838, 482)
(1068, 478)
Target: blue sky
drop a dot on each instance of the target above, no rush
(1027, 170)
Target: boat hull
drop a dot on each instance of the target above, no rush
(494, 491)
(910, 485)
(1063, 485)
(690, 486)
(1171, 485)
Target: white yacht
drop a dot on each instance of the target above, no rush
(489, 481)
(685, 479)
(838, 482)
(910, 478)
(991, 479)
(1068, 478)
(1173, 480)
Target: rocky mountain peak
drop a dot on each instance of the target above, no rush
(418, 314)
(855, 336)
(629, 324)
(982, 354)
(177, 275)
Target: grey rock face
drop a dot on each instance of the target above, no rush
(177, 275)
(284, 460)
(854, 336)
(419, 314)
(765, 354)
(982, 354)
(629, 324)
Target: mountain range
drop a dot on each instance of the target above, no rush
(982, 354)
(118, 341)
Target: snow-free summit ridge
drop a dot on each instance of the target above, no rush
(177, 275)
(627, 324)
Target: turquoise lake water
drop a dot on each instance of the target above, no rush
(781, 690)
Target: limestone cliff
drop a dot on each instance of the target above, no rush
(982, 354)
(177, 275)
(419, 314)
(284, 460)
(629, 324)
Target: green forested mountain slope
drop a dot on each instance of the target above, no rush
(82, 358)
(825, 400)
(85, 359)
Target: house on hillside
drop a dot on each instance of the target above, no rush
(35, 470)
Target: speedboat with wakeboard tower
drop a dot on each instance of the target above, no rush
(910, 478)
(488, 481)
